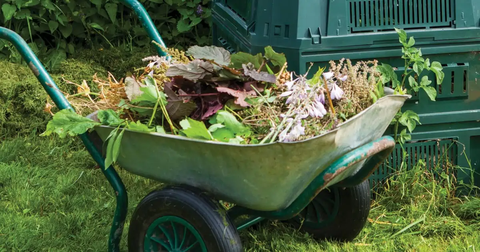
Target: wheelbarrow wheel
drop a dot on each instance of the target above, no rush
(336, 213)
(181, 219)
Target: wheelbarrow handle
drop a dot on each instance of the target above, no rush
(147, 23)
(62, 103)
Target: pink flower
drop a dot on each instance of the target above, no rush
(344, 78)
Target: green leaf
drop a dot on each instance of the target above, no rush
(8, 11)
(431, 92)
(150, 92)
(217, 54)
(195, 129)
(437, 68)
(316, 78)
(66, 30)
(52, 25)
(223, 135)
(48, 5)
(111, 9)
(116, 146)
(67, 122)
(109, 117)
(402, 35)
(140, 127)
(159, 129)
(183, 25)
(388, 75)
(277, 59)
(411, 42)
(110, 144)
(215, 127)
(418, 67)
(55, 58)
(230, 122)
(409, 119)
(413, 83)
(240, 58)
(425, 81)
(96, 26)
(427, 64)
(23, 14)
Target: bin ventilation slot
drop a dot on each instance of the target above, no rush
(455, 83)
(382, 15)
(437, 154)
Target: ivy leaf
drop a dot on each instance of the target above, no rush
(109, 117)
(194, 70)
(248, 70)
(218, 54)
(240, 58)
(431, 92)
(409, 119)
(195, 129)
(277, 59)
(8, 11)
(238, 94)
(437, 68)
(67, 122)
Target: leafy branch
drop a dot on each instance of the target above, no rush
(415, 65)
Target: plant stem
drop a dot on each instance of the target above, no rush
(328, 96)
(277, 130)
(261, 66)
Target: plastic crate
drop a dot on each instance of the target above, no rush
(314, 30)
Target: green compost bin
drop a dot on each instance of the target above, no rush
(316, 31)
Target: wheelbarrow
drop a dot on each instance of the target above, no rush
(318, 185)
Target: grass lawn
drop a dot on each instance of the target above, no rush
(52, 199)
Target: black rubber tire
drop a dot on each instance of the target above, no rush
(353, 209)
(208, 218)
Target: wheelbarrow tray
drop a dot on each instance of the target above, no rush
(264, 177)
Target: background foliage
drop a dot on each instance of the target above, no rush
(56, 28)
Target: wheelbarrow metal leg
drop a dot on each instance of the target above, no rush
(62, 103)
(147, 23)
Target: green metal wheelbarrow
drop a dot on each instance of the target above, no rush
(319, 185)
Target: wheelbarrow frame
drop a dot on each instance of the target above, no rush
(374, 152)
